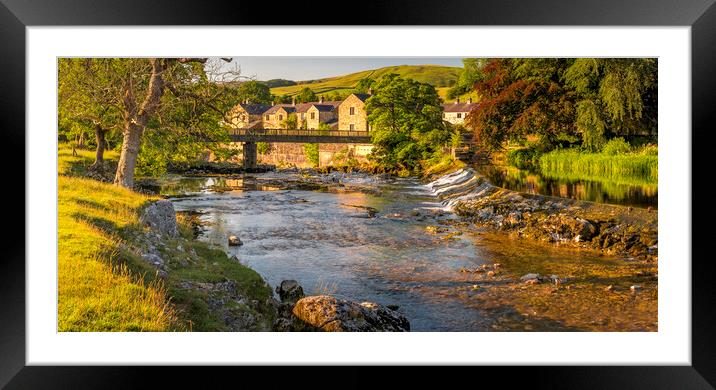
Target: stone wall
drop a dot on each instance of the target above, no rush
(285, 154)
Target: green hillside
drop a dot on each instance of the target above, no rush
(436, 75)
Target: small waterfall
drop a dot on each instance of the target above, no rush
(463, 184)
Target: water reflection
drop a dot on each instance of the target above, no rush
(645, 195)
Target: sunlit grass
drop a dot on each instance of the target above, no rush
(100, 287)
(630, 168)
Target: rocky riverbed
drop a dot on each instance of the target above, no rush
(453, 254)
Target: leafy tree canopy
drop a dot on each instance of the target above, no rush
(587, 100)
(406, 122)
(255, 92)
(306, 95)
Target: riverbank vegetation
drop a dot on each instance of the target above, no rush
(105, 285)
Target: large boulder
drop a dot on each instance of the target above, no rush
(289, 291)
(161, 217)
(330, 314)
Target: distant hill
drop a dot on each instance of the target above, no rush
(273, 83)
(439, 76)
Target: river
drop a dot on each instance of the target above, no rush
(627, 194)
(376, 246)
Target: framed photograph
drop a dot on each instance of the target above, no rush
(462, 184)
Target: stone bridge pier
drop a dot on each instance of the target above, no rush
(250, 153)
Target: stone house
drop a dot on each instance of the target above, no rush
(274, 117)
(352, 114)
(322, 112)
(456, 112)
(247, 115)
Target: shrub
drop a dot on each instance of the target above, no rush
(523, 158)
(616, 146)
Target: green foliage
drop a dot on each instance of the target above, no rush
(616, 146)
(324, 126)
(306, 95)
(590, 124)
(575, 164)
(471, 73)
(312, 153)
(291, 122)
(592, 99)
(263, 148)
(255, 91)
(527, 158)
(273, 83)
(364, 85)
(406, 122)
(97, 90)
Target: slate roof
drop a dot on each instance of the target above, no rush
(254, 108)
(459, 107)
(288, 107)
(362, 96)
(325, 107)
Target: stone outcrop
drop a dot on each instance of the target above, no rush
(289, 291)
(330, 314)
(161, 218)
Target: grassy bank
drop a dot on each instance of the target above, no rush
(627, 168)
(104, 285)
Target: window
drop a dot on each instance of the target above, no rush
(303, 115)
(353, 127)
(280, 117)
(313, 115)
(267, 117)
(353, 110)
(459, 114)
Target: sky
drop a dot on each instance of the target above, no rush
(310, 68)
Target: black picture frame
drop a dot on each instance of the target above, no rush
(16, 15)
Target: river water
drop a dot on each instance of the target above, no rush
(628, 194)
(377, 247)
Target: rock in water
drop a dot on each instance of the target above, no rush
(330, 314)
(529, 277)
(234, 241)
(289, 291)
(161, 218)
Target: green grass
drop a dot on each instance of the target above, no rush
(436, 75)
(103, 285)
(629, 168)
(67, 164)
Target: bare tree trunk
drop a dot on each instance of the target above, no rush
(135, 122)
(99, 133)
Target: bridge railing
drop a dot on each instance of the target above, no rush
(296, 132)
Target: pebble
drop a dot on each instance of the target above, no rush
(609, 288)
(635, 288)
(491, 274)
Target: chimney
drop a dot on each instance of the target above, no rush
(321, 101)
(469, 100)
(247, 100)
(457, 100)
(293, 101)
(370, 90)
(273, 102)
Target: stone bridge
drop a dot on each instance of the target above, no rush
(251, 136)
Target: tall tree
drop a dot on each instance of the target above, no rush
(406, 122)
(83, 101)
(562, 99)
(168, 96)
(255, 92)
(306, 95)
